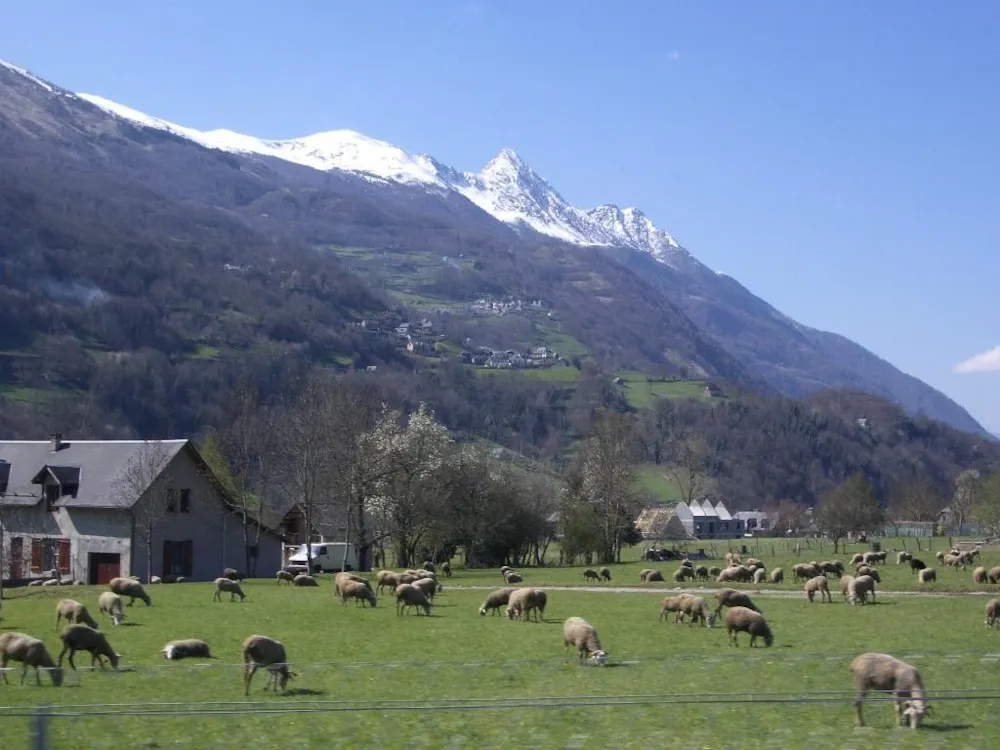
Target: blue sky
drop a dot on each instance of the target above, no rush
(841, 158)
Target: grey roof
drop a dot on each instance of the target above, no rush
(723, 512)
(696, 509)
(95, 464)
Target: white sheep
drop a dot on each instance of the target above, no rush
(185, 648)
(859, 589)
(109, 603)
(229, 586)
(496, 600)
(820, 584)
(83, 638)
(31, 652)
(525, 601)
(429, 586)
(360, 592)
(408, 595)
(927, 575)
(882, 672)
(73, 612)
(759, 576)
(303, 579)
(580, 634)
(387, 579)
(262, 651)
(777, 575)
(131, 588)
(993, 613)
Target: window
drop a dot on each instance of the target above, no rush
(17, 557)
(171, 500)
(178, 558)
(64, 558)
(185, 501)
(51, 496)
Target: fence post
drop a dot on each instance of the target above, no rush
(40, 728)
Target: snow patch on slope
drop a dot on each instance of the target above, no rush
(29, 76)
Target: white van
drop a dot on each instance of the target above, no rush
(327, 557)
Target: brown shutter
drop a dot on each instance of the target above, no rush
(188, 552)
(36, 555)
(63, 560)
(17, 557)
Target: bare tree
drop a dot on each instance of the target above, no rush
(849, 507)
(986, 507)
(914, 500)
(142, 490)
(964, 497)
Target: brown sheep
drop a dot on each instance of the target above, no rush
(74, 612)
(979, 575)
(733, 598)
(993, 574)
(743, 620)
(359, 592)
(496, 600)
(525, 601)
(83, 638)
(777, 575)
(993, 613)
(261, 651)
(31, 652)
(408, 595)
(590, 573)
(819, 583)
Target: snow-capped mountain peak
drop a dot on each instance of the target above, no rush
(506, 188)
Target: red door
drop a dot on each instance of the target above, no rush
(104, 567)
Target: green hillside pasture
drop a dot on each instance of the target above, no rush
(556, 374)
(641, 393)
(660, 485)
(507, 683)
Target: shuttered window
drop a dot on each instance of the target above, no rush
(64, 560)
(36, 555)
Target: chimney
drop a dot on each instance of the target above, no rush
(57, 442)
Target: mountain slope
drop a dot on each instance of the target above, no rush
(791, 357)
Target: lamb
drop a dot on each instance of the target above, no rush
(860, 588)
(386, 579)
(231, 587)
(819, 583)
(605, 574)
(940, 556)
(993, 574)
(777, 575)
(525, 601)
(589, 573)
(446, 568)
(110, 604)
(408, 595)
(512, 576)
(186, 647)
(916, 565)
(743, 620)
(304, 579)
(683, 573)
(696, 608)
(232, 574)
(928, 575)
(956, 561)
(130, 588)
(733, 598)
(902, 557)
(429, 586)
(886, 673)
(73, 611)
(262, 651)
(284, 575)
(979, 575)
(31, 652)
(845, 587)
(496, 600)
(759, 576)
(83, 638)
(155, 579)
(358, 591)
(580, 634)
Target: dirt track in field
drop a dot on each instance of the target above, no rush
(790, 593)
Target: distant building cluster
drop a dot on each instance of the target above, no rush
(488, 306)
(695, 521)
(484, 356)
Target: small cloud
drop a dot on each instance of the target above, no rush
(674, 55)
(985, 362)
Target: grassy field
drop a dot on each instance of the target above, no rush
(556, 374)
(363, 660)
(641, 392)
(659, 484)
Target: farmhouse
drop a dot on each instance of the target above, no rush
(695, 521)
(95, 509)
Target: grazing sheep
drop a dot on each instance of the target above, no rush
(993, 574)
(902, 557)
(759, 576)
(979, 575)
(408, 595)
(580, 634)
(927, 575)
(701, 573)
(504, 569)
(386, 579)
(446, 569)
(954, 561)
(304, 579)
(859, 589)
(83, 638)
(589, 573)
(733, 598)
(672, 604)
(683, 573)
(940, 556)
(605, 574)
(496, 600)
(993, 613)
(231, 587)
(31, 652)
(696, 608)
(525, 601)
(512, 576)
(232, 574)
(732, 559)
(402, 578)
(261, 651)
(109, 603)
(428, 565)
(886, 673)
(130, 588)
(832, 567)
(819, 583)
(186, 647)
(73, 611)
(743, 620)
(804, 571)
(863, 570)
(155, 580)
(732, 574)
(429, 586)
(284, 575)
(348, 576)
(916, 565)
(654, 576)
(845, 587)
(857, 559)
(359, 592)
(51, 582)
(777, 575)
(714, 570)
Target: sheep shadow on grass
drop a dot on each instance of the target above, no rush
(124, 624)
(945, 727)
(302, 691)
